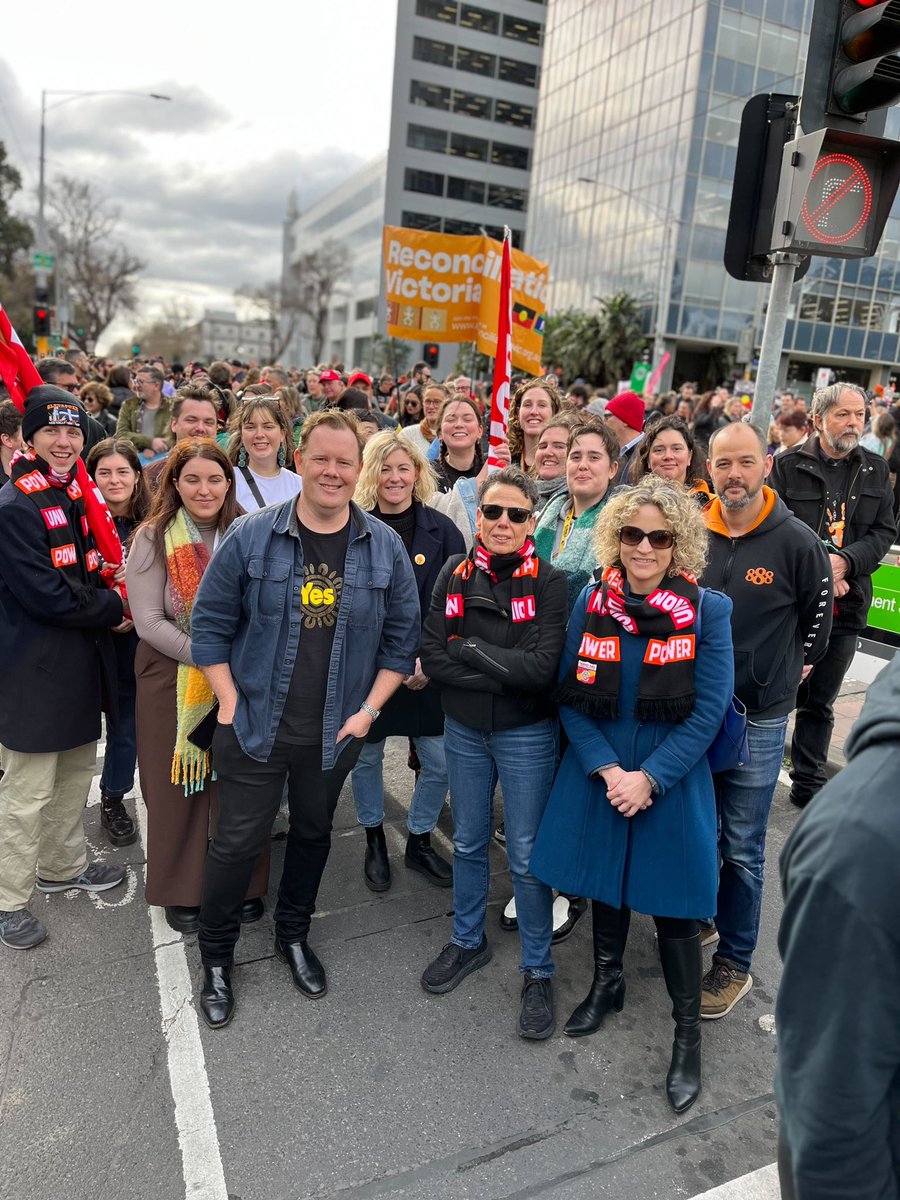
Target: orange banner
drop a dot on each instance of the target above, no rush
(444, 288)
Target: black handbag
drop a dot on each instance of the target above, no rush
(729, 748)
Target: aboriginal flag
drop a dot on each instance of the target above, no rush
(523, 316)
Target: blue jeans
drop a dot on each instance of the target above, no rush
(525, 761)
(743, 799)
(121, 734)
(428, 796)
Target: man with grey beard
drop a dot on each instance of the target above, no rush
(843, 493)
(776, 573)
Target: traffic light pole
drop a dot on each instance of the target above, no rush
(784, 267)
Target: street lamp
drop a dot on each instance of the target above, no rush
(666, 261)
(68, 95)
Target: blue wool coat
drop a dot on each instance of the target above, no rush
(661, 861)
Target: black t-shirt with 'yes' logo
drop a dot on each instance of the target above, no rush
(323, 580)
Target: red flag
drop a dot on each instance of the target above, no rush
(503, 361)
(21, 375)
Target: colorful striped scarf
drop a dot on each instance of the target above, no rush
(186, 559)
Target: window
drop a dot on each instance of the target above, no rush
(463, 146)
(469, 104)
(507, 197)
(475, 61)
(469, 190)
(428, 95)
(506, 112)
(366, 308)
(437, 10)
(430, 51)
(416, 220)
(463, 228)
(431, 183)
(522, 31)
(481, 19)
(513, 71)
(505, 155)
(422, 137)
(339, 314)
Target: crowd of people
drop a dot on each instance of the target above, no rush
(316, 561)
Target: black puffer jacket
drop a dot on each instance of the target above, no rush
(499, 673)
(798, 476)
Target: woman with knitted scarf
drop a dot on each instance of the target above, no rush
(194, 505)
(631, 820)
(491, 642)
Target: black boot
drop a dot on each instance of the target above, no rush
(682, 964)
(115, 820)
(607, 992)
(376, 868)
(422, 857)
(216, 996)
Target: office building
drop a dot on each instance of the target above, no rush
(224, 335)
(640, 108)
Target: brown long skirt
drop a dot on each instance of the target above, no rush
(178, 827)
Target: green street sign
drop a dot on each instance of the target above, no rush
(884, 612)
(640, 373)
(43, 262)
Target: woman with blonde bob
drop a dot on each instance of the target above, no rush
(396, 485)
(631, 821)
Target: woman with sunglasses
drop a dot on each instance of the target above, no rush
(410, 408)
(491, 642)
(668, 450)
(631, 820)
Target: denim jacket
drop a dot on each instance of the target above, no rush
(246, 613)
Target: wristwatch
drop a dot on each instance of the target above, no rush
(374, 713)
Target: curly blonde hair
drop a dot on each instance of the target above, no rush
(377, 451)
(514, 434)
(680, 512)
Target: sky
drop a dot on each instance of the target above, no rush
(266, 98)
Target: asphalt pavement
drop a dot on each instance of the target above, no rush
(112, 1088)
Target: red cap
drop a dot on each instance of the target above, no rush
(329, 374)
(359, 377)
(629, 408)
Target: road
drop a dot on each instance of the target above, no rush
(379, 1090)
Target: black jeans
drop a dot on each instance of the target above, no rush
(814, 718)
(249, 795)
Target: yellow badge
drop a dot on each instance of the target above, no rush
(420, 559)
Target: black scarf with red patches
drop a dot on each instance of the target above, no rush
(666, 619)
(72, 550)
(521, 566)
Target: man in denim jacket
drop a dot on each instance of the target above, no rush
(306, 622)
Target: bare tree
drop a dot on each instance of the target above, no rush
(175, 333)
(99, 270)
(306, 291)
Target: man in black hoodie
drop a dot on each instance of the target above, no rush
(843, 493)
(838, 1080)
(776, 573)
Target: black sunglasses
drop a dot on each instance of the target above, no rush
(659, 539)
(493, 512)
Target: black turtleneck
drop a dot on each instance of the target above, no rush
(402, 523)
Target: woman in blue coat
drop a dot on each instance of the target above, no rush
(631, 820)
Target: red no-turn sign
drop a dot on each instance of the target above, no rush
(838, 200)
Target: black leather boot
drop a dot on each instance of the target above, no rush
(216, 996)
(377, 867)
(682, 964)
(115, 820)
(422, 857)
(607, 992)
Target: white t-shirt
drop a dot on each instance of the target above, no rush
(273, 489)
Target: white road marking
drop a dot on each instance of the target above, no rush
(198, 1138)
(758, 1185)
(784, 778)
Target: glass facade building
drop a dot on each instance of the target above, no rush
(639, 115)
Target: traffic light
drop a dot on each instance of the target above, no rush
(431, 353)
(135, 349)
(852, 68)
(836, 194)
(41, 320)
(767, 123)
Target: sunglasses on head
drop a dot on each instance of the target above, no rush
(659, 539)
(493, 512)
